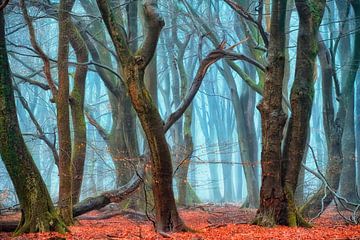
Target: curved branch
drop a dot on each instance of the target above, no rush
(210, 59)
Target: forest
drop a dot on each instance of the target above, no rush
(181, 119)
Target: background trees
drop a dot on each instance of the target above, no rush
(104, 88)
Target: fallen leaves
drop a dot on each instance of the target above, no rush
(210, 223)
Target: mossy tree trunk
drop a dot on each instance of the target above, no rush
(187, 144)
(38, 212)
(63, 114)
(281, 167)
(133, 70)
(77, 112)
(301, 100)
(272, 200)
(334, 124)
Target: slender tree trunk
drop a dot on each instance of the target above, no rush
(38, 212)
(244, 137)
(301, 99)
(357, 134)
(63, 114)
(122, 139)
(348, 174)
(334, 127)
(77, 112)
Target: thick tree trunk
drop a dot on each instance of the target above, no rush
(281, 172)
(301, 99)
(38, 212)
(167, 217)
(272, 200)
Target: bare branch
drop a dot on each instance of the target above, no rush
(32, 82)
(211, 58)
(38, 49)
(99, 128)
(41, 135)
(243, 13)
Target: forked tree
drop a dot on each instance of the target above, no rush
(281, 165)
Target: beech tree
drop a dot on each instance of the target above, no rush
(37, 211)
(281, 166)
(133, 70)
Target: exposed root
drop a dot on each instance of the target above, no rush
(266, 219)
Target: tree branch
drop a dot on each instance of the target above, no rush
(99, 128)
(152, 25)
(4, 4)
(41, 135)
(37, 48)
(116, 31)
(210, 59)
(243, 13)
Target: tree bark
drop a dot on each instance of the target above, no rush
(334, 127)
(281, 167)
(77, 112)
(272, 200)
(63, 114)
(301, 99)
(133, 70)
(38, 212)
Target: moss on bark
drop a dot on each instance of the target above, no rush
(38, 212)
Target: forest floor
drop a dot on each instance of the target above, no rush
(208, 221)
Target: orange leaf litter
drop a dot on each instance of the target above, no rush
(227, 222)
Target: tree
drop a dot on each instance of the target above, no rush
(334, 122)
(133, 69)
(38, 212)
(63, 114)
(281, 166)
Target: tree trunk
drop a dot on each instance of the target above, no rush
(334, 127)
(348, 174)
(281, 169)
(167, 217)
(272, 208)
(38, 212)
(122, 139)
(301, 100)
(77, 112)
(63, 114)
